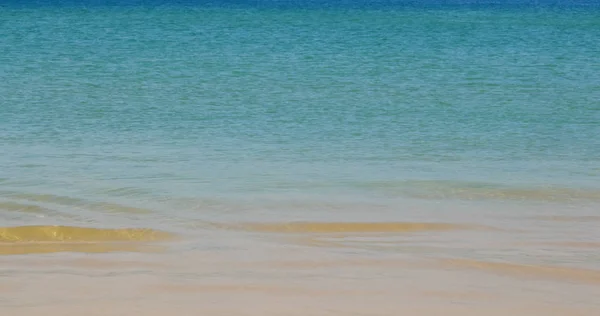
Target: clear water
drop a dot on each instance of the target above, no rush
(192, 101)
(177, 116)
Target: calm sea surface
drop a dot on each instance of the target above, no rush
(455, 132)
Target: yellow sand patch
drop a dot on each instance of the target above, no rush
(48, 239)
(78, 234)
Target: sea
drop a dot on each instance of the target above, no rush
(318, 157)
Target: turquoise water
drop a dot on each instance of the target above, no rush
(144, 116)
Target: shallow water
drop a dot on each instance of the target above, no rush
(286, 158)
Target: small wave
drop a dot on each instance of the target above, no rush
(345, 227)
(27, 209)
(439, 189)
(125, 191)
(18, 207)
(570, 218)
(76, 202)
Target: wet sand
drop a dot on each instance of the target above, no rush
(294, 268)
(201, 284)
